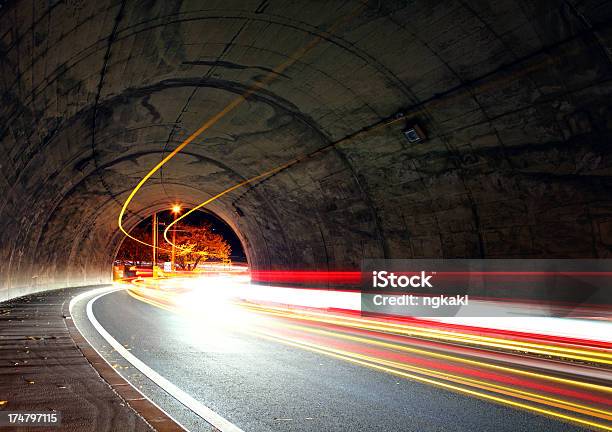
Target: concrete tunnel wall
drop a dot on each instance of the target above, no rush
(514, 97)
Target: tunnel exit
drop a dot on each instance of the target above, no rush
(201, 241)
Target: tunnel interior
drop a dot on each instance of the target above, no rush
(512, 100)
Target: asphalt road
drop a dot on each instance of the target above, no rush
(263, 385)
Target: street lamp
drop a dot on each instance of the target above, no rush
(154, 235)
(176, 209)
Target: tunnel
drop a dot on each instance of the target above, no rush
(514, 157)
(465, 145)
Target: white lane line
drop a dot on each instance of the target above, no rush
(106, 290)
(197, 407)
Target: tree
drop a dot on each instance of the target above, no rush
(197, 244)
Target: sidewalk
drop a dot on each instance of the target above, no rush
(46, 365)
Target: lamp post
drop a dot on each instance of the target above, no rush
(176, 209)
(154, 236)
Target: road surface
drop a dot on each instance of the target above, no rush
(260, 383)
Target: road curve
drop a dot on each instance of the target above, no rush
(263, 385)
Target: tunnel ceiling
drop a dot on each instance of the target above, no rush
(513, 97)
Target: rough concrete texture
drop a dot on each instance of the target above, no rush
(514, 97)
(46, 366)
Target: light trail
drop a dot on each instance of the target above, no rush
(269, 77)
(485, 341)
(447, 368)
(414, 377)
(458, 359)
(380, 346)
(591, 355)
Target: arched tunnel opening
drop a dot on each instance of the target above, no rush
(202, 238)
(400, 206)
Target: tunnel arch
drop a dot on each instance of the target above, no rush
(513, 98)
(205, 216)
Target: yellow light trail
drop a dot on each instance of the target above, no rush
(543, 399)
(458, 359)
(486, 341)
(593, 411)
(360, 361)
(269, 77)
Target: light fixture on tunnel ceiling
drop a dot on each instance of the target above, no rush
(176, 209)
(414, 133)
